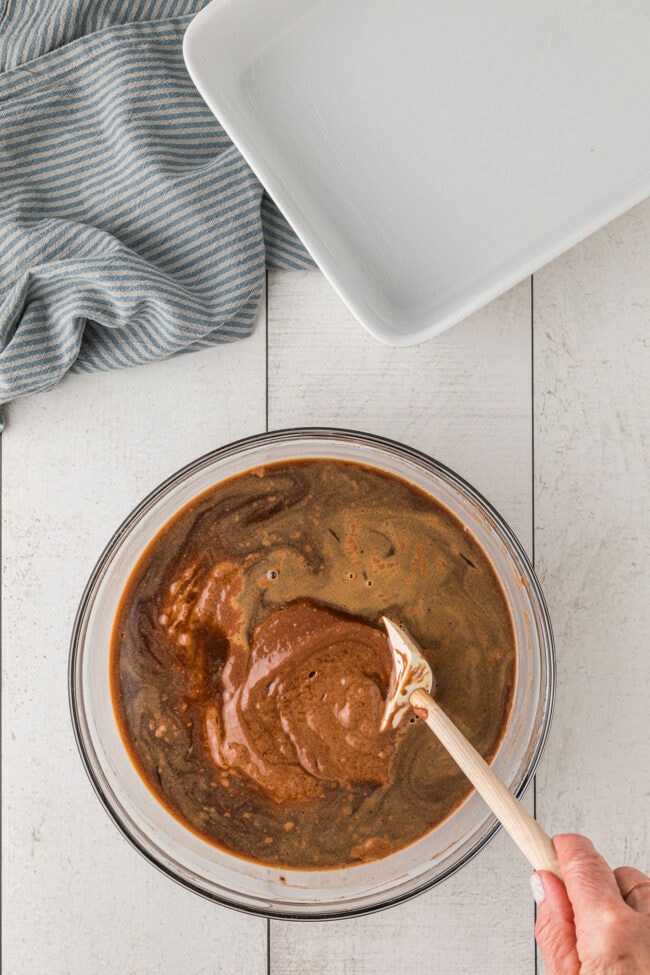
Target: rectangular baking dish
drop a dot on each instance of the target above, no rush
(432, 154)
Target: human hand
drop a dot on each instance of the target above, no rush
(598, 921)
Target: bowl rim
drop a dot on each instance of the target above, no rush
(286, 435)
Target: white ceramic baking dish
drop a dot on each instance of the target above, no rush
(431, 155)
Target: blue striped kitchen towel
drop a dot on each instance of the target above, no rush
(130, 227)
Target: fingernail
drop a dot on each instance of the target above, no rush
(537, 888)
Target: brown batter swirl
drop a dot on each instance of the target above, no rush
(304, 706)
(250, 670)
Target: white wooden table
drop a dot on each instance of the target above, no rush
(542, 400)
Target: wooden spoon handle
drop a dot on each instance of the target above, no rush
(531, 839)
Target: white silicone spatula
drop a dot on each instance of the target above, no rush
(413, 684)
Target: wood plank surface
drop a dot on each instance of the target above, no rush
(592, 515)
(77, 899)
(465, 399)
(551, 424)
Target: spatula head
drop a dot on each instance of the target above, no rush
(410, 672)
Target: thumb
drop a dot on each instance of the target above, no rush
(555, 931)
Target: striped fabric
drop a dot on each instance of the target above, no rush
(130, 228)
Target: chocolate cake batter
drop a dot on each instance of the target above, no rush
(250, 671)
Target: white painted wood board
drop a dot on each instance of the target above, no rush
(465, 399)
(76, 897)
(592, 513)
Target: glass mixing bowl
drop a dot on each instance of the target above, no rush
(280, 892)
